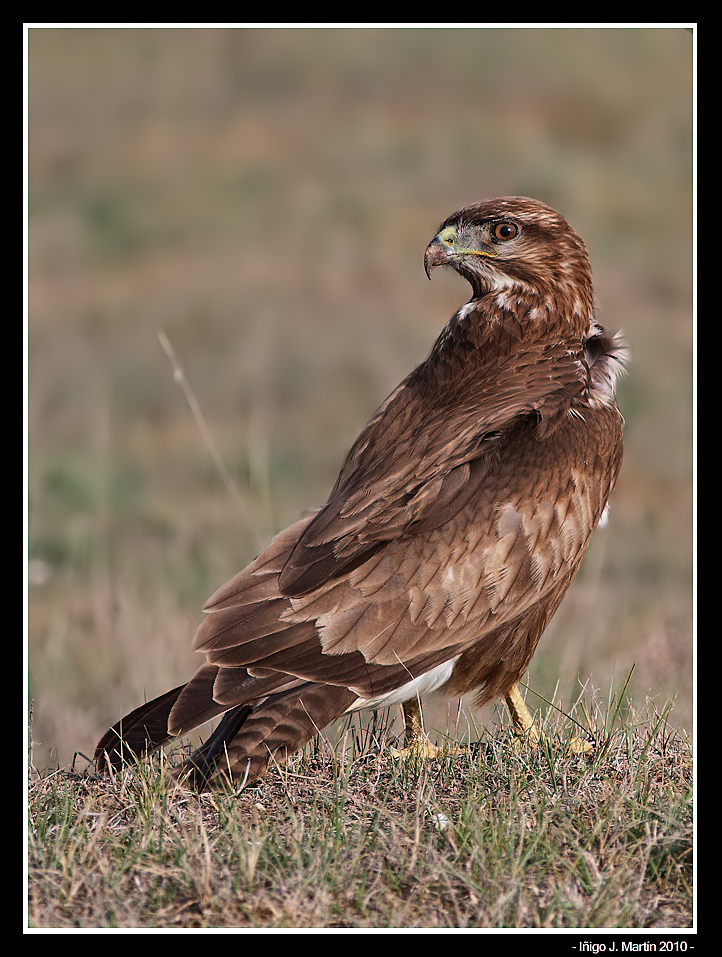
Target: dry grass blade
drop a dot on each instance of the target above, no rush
(180, 377)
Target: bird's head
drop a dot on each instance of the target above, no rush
(513, 241)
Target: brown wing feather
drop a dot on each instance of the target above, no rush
(425, 597)
(408, 468)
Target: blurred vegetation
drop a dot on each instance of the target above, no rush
(264, 197)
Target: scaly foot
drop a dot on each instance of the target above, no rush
(416, 744)
(526, 731)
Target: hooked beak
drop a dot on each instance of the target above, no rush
(437, 254)
(444, 249)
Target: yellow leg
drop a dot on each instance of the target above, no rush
(415, 741)
(521, 718)
(413, 722)
(525, 728)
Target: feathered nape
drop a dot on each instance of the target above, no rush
(607, 356)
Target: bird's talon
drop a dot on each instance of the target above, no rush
(585, 745)
(421, 749)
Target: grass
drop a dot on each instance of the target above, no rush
(345, 836)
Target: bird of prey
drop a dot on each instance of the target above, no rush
(456, 525)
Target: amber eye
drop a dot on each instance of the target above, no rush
(504, 231)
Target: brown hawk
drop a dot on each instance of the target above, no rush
(454, 529)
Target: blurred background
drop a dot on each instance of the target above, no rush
(263, 198)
